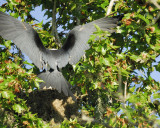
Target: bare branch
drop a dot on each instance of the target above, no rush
(54, 25)
(125, 93)
(110, 6)
(155, 3)
(78, 9)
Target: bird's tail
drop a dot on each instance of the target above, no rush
(55, 79)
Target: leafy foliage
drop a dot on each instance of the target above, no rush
(13, 80)
(113, 80)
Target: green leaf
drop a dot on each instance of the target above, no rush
(156, 95)
(73, 7)
(37, 81)
(132, 89)
(143, 18)
(30, 71)
(97, 28)
(135, 57)
(103, 51)
(118, 5)
(124, 72)
(18, 108)
(8, 44)
(2, 9)
(8, 95)
(104, 61)
(26, 62)
(10, 6)
(148, 38)
(120, 56)
(157, 67)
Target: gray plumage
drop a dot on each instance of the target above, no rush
(28, 41)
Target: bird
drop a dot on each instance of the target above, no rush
(28, 41)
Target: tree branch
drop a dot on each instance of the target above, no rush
(78, 10)
(54, 25)
(155, 3)
(110, 6)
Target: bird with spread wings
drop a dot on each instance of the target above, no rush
(28, 41)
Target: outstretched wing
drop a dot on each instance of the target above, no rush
(24, 36)
(76, 43)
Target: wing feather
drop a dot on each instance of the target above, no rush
(59, 82)
(76, 43)
(24, 36)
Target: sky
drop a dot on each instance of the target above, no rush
(39, 15)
